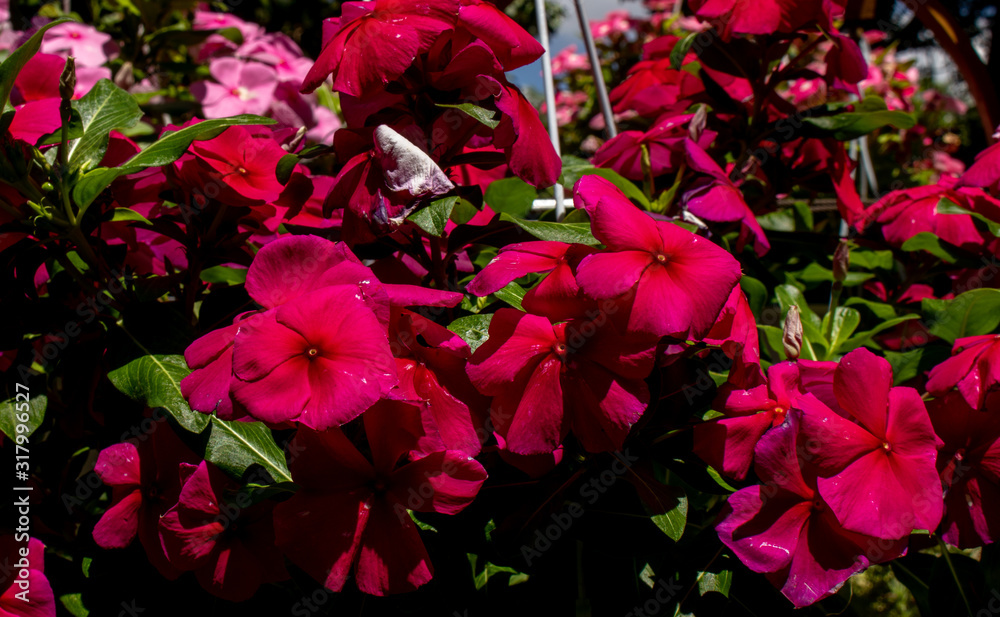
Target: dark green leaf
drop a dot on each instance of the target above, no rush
(155, 380)
(434, 217)
(578, 233)
(947, 206)
(474, 329)
(224, 274)
(18, 58)
(480, 114)
(104, 108)
(681, 49)
(512, 294)
(128, 214)
(972, 313)
(926, 241)
(756, 294)
(286, 165)
(715, 581)
(845, 322)
(674, 520)
(905, 364)
(234, 446)
(575, 168)
(10, 409)
(512, 196)
(871, 114)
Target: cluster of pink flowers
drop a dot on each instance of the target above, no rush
(263, 75)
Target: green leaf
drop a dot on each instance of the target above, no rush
(845, 321)
(681, 49)
(926, 241)
(755, 292)
(905, 364)
(128, 214)
(234, 446)
(947, 206)
(719, 480)
(512, 294)
(104, 108)
(164, 151)
(73, 603)
(972, 313)
(575, 168)
(18, 58)
(719, 582)
(422, 525)
(513, 196)
(224, 274)
(871, 115)
(155, 380)
(474, 329)
(286, 165)
(864, 338)
(482, 577)
(578, 233)
(881, 310)
(434, 217)
(815, 273)
(480, 114)
(673, 521)
(11, 408)
(872, 260)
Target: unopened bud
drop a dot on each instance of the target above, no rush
(791, 337)
(67, 81)
(841, 261)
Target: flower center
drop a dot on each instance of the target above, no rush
(313, 352)
(818, 504)
(887, 446)
(74, 35)
(661, 258)
(242, 93)
(779, 415)
(560, 349)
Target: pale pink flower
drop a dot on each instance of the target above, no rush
(85, 43)
(243, 88)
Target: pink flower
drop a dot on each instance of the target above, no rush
(786, 529)
(244, 160)
(220, 534)
(243, 88)
(969, 463)
(85, 43)
(615, 22)
(664, 143)
(41, 601)
(279, 51)
(680, 281)
(350, 514)
(568, 60)
(508, 41)
(143, 476)
(207, 20)
(876, 456)
(547, 380)
(974, 369)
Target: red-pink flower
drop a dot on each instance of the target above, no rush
(680, 281)
(350, 514)
(876, 457)
(727, 443)
(38, 599)
(243, 160)
(510, 43)
(143, 474)
(784, 528)
(400, 31)
(664, 144)
(547, 380)
(320, 359)
(974, 369)
(220, 534)
(969, 463)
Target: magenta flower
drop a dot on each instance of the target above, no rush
(615, 22)
(510, 43)
(727, 443)
(243, 88)
(144, 478)
(320, 359)
(680, 281)
(875, 459)
(664, 143)
(547, 380)
(219, 534)
(89, 46)
(556, 296)
(351, 514)
(244, 160)
(969, 463)
(784, 528)
(735, 331)
(41, 601)
(400, 31)
(974, 369)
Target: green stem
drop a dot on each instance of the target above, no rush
(954, 575)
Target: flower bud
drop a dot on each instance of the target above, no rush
(791, 337)
(67, 81)
(841, 261)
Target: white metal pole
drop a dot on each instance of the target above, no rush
(595, 66)
(550, 97)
